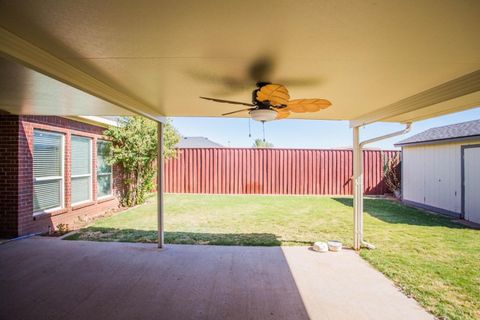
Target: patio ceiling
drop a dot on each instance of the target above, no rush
(373, 60)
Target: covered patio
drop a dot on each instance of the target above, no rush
(47, 278)
(390, 61)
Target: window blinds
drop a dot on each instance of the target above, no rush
(81, 155)
(47, 154)
(47, 170)
(81, 169)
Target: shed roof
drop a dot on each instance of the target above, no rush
(456, 131)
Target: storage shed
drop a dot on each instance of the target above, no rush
(441, 170)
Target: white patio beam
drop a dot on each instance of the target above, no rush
(35, 58)
(357, 189)
(160, 206)
(464, 86)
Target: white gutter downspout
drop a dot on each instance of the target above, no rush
(408, 126)
(358, 183)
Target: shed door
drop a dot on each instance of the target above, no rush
(472, 184)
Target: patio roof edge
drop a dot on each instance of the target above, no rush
(463, 86)
(35, 58)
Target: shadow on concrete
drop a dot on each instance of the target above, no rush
(397, 213)
(150, 236)
(92, 280)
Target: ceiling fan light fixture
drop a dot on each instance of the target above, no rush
(272, 102)
(263, 114)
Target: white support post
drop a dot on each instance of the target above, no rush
(160, 224)
(357, 190)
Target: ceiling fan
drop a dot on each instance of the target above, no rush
(272, 102)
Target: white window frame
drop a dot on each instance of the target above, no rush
(90, 165)
(53, 178)
(103, 174)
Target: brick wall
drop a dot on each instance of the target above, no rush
(20, 176)
(9, 126)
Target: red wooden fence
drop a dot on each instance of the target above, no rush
(272, 171)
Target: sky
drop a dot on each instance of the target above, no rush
(313, 134)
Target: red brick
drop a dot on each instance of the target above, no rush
(16, 198)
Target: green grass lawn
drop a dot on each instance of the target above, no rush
(429, 257)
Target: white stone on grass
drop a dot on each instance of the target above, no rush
(334, 245)
(320, 246)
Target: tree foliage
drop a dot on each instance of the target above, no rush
(259, 143)
(134, 149)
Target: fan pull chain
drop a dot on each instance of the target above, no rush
(263, 124)
(249, 128)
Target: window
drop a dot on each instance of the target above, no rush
(104, 170)
(81, 169)
(48, 181)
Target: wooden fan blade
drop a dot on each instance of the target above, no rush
(282, 114)
(237, 111)
(228, 101)
(276, 94)
(307, 105)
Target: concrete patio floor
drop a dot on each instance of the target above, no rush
(47, 278)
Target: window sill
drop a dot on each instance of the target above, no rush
(105, 199)
(82, 205)
(48, 214)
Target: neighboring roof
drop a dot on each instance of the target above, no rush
(464, 130)
(197, 142)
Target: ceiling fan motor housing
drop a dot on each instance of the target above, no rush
(263, 114)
